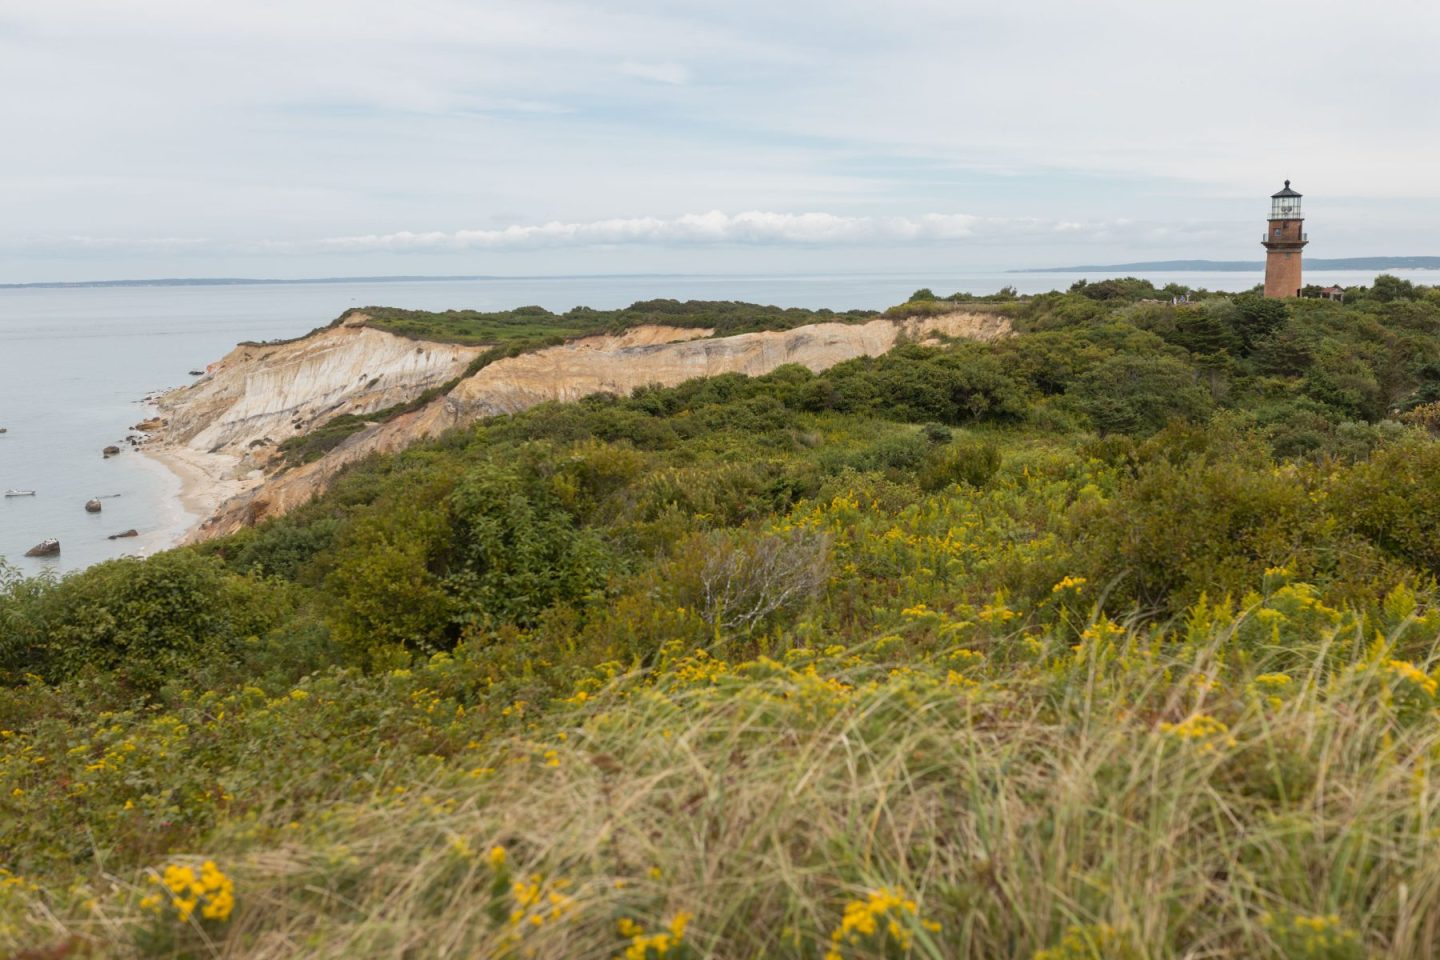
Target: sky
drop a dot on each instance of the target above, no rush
(304, 138)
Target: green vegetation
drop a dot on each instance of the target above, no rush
(1119, 638)
(529, 327)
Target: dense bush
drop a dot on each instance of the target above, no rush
(1209, 524)
(142, 618)
(966, 461)
(1138, 395)
(915, 384)
(385, 591)
(1393, 499)
(515, 551)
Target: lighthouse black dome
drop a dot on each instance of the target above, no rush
(1287, 192)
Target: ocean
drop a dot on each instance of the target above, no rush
(76, 363)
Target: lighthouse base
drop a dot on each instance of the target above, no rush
(1282, 273)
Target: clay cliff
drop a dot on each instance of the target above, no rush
(258, 395)
(266, 393)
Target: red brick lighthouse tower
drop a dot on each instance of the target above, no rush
(1283, 241)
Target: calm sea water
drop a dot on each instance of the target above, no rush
(76, 363)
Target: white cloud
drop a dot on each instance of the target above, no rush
(674, 74)
(752, 228)
(715, 227)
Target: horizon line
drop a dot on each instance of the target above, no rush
(1179, 265)
(427, 278)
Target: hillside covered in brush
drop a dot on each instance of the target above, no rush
(1117, 637)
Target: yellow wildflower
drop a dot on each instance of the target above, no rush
(210, 891)
(1200, 728)
(885, 918)
(645, 946)
(1405, 670)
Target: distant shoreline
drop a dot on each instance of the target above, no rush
(399, 278)
(1239, 266)
(229, 282)
(1149, 266)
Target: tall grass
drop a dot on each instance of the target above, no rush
(1203, 791)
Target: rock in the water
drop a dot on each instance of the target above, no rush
(45, 548)
(121, 536)
(4, 429)
(197, 373)
(147, 426)
(110, 451)
(92, 506)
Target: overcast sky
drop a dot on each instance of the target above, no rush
(293, 138)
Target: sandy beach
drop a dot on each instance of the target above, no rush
(206, 481)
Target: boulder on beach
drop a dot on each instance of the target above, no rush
(45, 548)
(110, 451)
(93, 505)
(146, 426)
(121, 536)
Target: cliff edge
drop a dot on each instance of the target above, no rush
(227, 427)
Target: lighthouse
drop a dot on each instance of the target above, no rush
(1283, 240)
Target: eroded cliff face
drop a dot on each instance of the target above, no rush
(580, 369)
(264, 394)
(663, 356)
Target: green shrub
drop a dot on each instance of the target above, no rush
(971, 462)
(1393, 500)
(1255, 318)
(1116, 289)
(897, 451)
(936, 433)
(142, 617)
(1138, 395)
(515, 551)
(281, 548)
(1205, 524)
(385, 593)
(22, 639)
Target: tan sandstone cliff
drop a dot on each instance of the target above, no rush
(255, 395)
(261, 392)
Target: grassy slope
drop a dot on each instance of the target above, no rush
(1110, 697)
